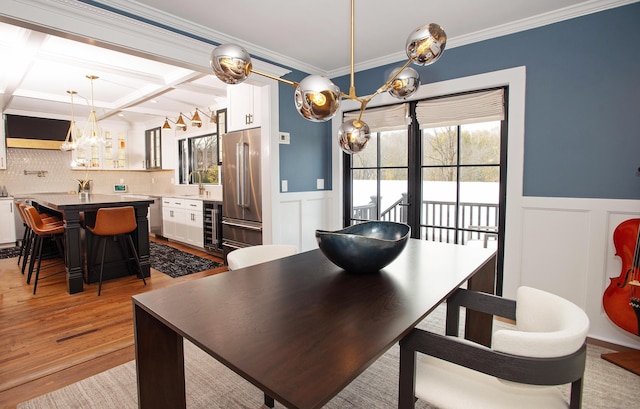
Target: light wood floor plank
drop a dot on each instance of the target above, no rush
(52, 339)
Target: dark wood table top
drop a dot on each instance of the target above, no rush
(64, 201)
(301, 328)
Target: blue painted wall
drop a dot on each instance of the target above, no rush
(308, 156)
(582, 130)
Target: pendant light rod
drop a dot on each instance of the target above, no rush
(352, 88)
(72, 135)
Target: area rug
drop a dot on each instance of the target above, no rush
(10, 252)
(211, 385)
(177, 263)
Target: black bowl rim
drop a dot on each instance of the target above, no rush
(342, 233)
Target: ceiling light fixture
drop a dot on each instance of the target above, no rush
(180, 123)
(197, 122)
(166, 123)
(93, 133)
(317, 98)
(195, 119)
(73, 134)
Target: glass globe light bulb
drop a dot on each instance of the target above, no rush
(317, 98)
(353, 136)
(426, 44)
(230, 63)
(405, 84)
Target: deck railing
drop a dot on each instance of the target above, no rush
(478, 221)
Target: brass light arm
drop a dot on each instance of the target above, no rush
(365, 100)
(273, 77)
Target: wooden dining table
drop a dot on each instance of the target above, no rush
(71, 206)
(299, 328)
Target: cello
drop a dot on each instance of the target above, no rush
(621, 300)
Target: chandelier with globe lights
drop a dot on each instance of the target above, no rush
(317, 98)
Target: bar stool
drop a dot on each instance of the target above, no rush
(25, 236)
(41, 231)
(29, 237)
(115, 222)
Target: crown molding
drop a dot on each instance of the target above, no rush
(173, 23)
(540, 20)
(117, 24)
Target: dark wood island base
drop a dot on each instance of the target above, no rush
(70, 207)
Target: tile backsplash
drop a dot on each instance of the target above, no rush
(57, 175)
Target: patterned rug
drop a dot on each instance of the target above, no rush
(10, 252)
(177, 263)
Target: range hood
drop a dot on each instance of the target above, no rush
(34, 133)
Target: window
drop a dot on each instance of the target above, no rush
(199, 160)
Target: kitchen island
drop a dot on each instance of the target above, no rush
(71, 206)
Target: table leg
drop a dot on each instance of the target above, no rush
(478, 325)
(407, 386)
(159, 363)
(73, 251)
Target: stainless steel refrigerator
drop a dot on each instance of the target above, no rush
(241, 190)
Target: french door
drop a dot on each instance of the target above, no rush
(446, 181)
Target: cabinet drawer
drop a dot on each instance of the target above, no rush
(176, 202)
(195, 205)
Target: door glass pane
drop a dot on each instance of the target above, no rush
(440, 146)
(478, 211)
(393, 148)
(438, 205)
(393, 194)
(368, 157)
(480, 143)
(364, 195)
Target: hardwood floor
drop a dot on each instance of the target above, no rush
(53, 339)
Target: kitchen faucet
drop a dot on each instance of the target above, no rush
(200, 185)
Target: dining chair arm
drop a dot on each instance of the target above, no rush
(515, 368)
(476, 301)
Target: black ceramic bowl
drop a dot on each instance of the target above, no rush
(364, 247)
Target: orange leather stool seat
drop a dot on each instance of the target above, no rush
(114, 222)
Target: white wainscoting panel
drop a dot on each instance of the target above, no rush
(300, 215)
(551, 235)
(567, 248)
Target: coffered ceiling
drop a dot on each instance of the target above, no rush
(38, 69)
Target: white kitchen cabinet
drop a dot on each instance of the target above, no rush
(7, 221)
(173, 219)
(110, 155)
(135, 159)
(194, 223)
(244, 107)
(182, 220)
(153, 148)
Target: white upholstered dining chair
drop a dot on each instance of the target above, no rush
(249, 256)
(545, 348)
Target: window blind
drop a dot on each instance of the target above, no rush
(389, 118)
(478, 107)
